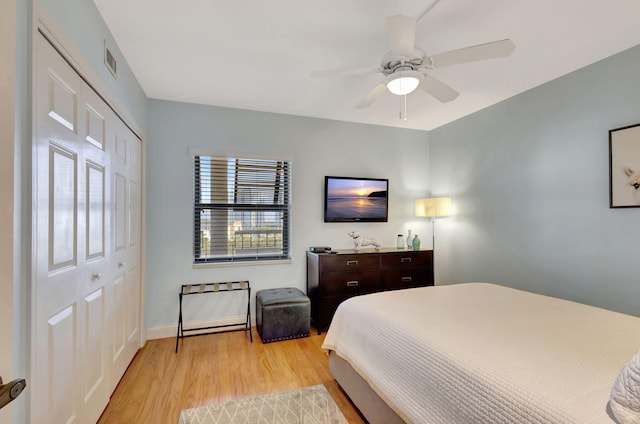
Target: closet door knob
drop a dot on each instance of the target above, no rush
(96, 276)
(120, 264)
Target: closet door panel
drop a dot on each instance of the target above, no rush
(62, 405)
(126, 175)
(58, 195)
(95, 236)
(85, 293)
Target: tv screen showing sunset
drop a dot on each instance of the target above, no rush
(349, 198)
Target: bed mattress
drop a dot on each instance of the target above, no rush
(483, 353)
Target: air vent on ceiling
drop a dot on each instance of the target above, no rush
(109, 60)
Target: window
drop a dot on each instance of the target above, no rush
(242, 209)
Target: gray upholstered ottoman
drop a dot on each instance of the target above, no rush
(282, 314)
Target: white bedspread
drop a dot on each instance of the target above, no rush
(482, 353)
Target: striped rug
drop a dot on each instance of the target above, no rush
(308, 405)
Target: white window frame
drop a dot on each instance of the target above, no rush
(240, 244)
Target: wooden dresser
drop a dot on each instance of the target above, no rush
(335, 277)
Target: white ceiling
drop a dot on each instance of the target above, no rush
(258, 55)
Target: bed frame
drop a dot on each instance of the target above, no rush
(374, 409)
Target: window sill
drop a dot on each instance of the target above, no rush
(241, 263)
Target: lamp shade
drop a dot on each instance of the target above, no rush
(433, 207)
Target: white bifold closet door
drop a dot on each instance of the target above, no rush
(85, 292)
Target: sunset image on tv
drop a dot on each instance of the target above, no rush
(356, 199)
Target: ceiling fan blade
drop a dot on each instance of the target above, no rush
(402, 34)
(342, 72)
(372, 96)
(492, 50)
(438, 89)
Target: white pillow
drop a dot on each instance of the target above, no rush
(625, 394)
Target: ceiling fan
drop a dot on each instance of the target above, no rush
(406, 67)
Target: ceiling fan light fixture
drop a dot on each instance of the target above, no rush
(403, 82)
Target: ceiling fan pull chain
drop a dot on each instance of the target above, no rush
(403, 107)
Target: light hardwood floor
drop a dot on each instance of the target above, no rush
(215, 368)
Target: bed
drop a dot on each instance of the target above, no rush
(481, 353)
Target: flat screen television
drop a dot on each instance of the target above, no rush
(351, 199)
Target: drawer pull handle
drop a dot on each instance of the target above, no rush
(405, 279)
(352, 263)
(405, 260)
(352, 283)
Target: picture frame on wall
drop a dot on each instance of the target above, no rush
(624, 167)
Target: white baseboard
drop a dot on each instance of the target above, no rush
(172, 330)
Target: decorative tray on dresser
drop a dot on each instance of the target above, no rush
(334, 277)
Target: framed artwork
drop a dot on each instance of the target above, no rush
(624, 167)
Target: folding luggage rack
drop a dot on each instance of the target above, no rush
(207, 288)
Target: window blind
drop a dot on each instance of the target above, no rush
(242, 209)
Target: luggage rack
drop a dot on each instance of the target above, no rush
(206, 288)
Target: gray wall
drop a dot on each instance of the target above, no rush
(530, 179)
(319, 148)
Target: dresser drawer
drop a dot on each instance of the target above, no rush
(349, 283)
(406, 259)
(406, 278)
(342, 263)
